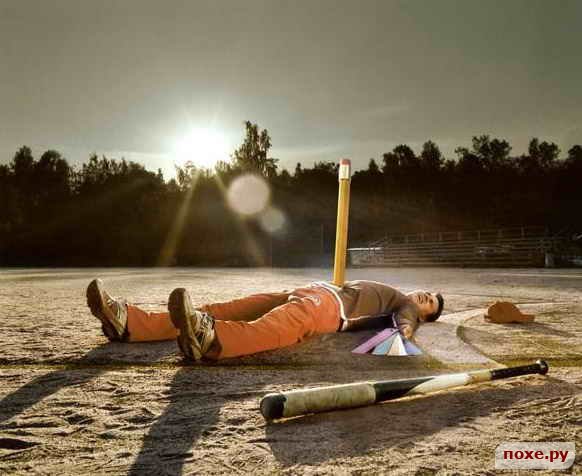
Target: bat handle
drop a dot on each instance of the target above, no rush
(540, 367)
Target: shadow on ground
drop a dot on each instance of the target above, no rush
(333, 350)
(170, 440)
(134, 353)
(48, 384)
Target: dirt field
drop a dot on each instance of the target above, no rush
(71, 403)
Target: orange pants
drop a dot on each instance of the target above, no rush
(252, 324)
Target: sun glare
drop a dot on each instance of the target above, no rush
(203, 147)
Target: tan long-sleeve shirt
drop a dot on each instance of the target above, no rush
(367, 298)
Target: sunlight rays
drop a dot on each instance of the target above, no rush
(253, 249)
(168, 251)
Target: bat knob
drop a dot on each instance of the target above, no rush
(544, 367)
(272, 406)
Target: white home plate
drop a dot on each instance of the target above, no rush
(441, 341)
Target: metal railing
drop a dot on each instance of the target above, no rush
(518, 246)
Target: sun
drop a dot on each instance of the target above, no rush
(203, 147)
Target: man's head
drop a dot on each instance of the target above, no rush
(430, 304)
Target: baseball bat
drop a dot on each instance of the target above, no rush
(335, 397)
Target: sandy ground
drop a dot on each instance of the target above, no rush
(73, 404)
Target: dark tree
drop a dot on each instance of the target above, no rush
(431, 157)
(252, 155)
(115, 212)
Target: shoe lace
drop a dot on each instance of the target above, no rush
(205, 331)
(116, 305)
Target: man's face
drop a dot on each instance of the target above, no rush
(427, 302)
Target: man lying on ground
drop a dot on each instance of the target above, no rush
(262, 321)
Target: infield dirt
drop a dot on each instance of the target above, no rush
(71, 403)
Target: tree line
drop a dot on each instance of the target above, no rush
(116, 213)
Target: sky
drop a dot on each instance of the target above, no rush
(327, 79)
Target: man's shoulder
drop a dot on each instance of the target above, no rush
(364, 283)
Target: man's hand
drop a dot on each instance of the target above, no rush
(406, 331)
(407, 319)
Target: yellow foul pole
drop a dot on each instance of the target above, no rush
(341, 234)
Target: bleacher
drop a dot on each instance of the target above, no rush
(517, 247)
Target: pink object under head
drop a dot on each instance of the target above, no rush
(374, 341)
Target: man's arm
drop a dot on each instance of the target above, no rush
(407, 319)
(363, 323)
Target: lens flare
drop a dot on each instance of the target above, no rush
(248, 195)
(272, 220)
(254, 252)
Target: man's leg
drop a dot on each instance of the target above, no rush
(306, 313)
(246, 309)
(143, 326)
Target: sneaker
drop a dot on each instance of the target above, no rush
(112, 312)
(196, 328)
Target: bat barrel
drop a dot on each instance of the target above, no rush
(272, 406)
(316, 400)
